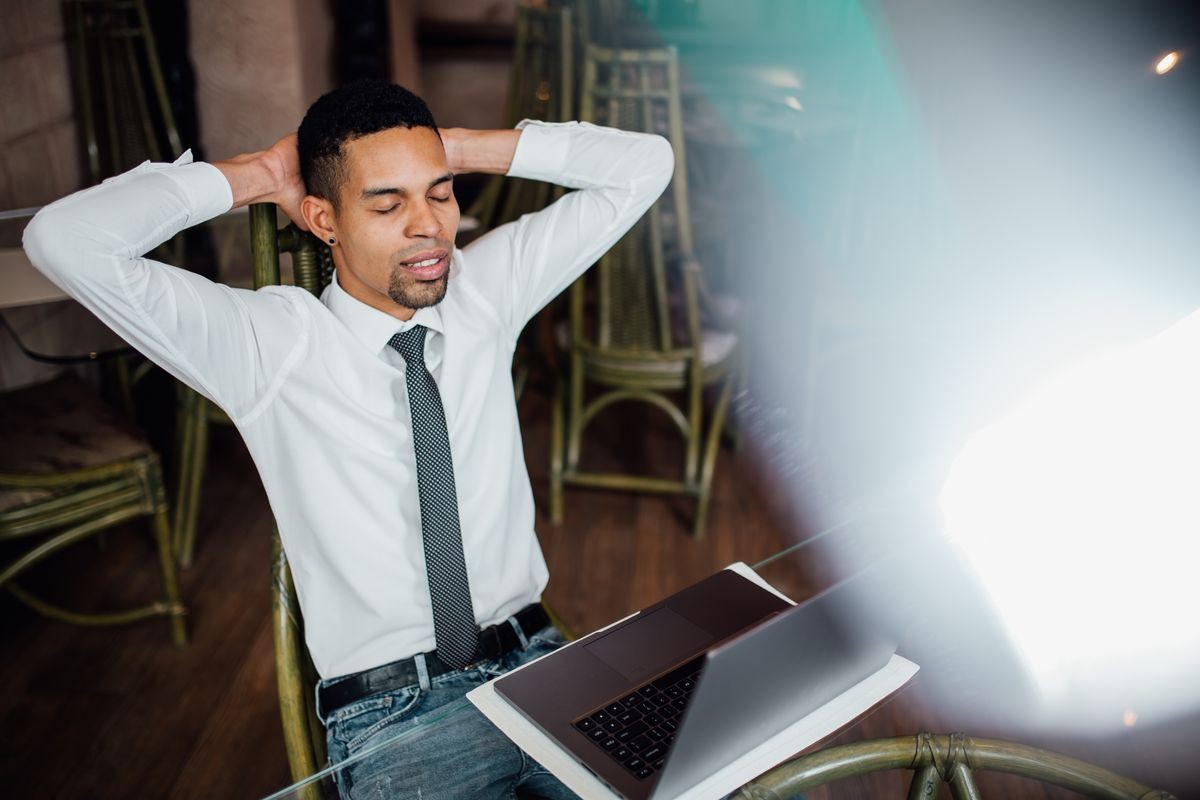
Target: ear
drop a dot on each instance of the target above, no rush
(320, 217)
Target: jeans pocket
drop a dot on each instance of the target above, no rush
(355, 724)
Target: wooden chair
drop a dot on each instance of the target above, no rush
(296, 677)
(935, 759)
(541, 86)
(125, 118)
(72, 467)
(642, 327)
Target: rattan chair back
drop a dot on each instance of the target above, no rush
(635, 329)
(937, 759)
(295, 675)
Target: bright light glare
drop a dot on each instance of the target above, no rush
(1167, 63)
(1080, 514)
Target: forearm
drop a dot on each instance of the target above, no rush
(266, 176)
(618, 175)
(250, 180)
(489, 151)
(579, 155)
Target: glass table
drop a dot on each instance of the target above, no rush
(967, 681)
(786, 570)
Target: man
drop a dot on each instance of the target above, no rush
(381, 417)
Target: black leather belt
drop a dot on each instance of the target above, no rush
(494, 641)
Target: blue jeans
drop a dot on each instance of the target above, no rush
(449, 749)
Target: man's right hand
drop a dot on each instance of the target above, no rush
(268, 176)
(284, 161)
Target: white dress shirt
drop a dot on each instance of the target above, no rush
(320, 398)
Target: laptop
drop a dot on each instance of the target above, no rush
(655, 704)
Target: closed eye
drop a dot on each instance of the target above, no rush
(387, 210)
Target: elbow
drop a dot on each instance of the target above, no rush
(662, 160)
(56, 242)
(42, 239)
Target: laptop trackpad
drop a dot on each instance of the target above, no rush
(650, 644)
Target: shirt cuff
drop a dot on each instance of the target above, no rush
(542, 148)
(208, 192)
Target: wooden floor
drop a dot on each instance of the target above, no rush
(121, 713)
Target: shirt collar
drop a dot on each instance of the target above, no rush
(369, 325)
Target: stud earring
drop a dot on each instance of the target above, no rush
(332, 240)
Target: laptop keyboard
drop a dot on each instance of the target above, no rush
(637, 729)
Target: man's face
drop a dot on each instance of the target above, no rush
(397, 219)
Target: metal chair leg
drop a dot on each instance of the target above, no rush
(556, 455)
(162, 537)
(193, 455)
(711, 446)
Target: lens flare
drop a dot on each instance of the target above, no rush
(1080, 515)
(1167, 63)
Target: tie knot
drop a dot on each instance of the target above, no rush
(410, 344)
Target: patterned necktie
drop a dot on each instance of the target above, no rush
(445, 568)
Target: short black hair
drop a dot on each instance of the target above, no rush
(347, 113)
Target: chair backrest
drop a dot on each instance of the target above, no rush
(121, 98)
(295, 675)
(646, 287)
(541, 86)
(951, 759)
(312, 263)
